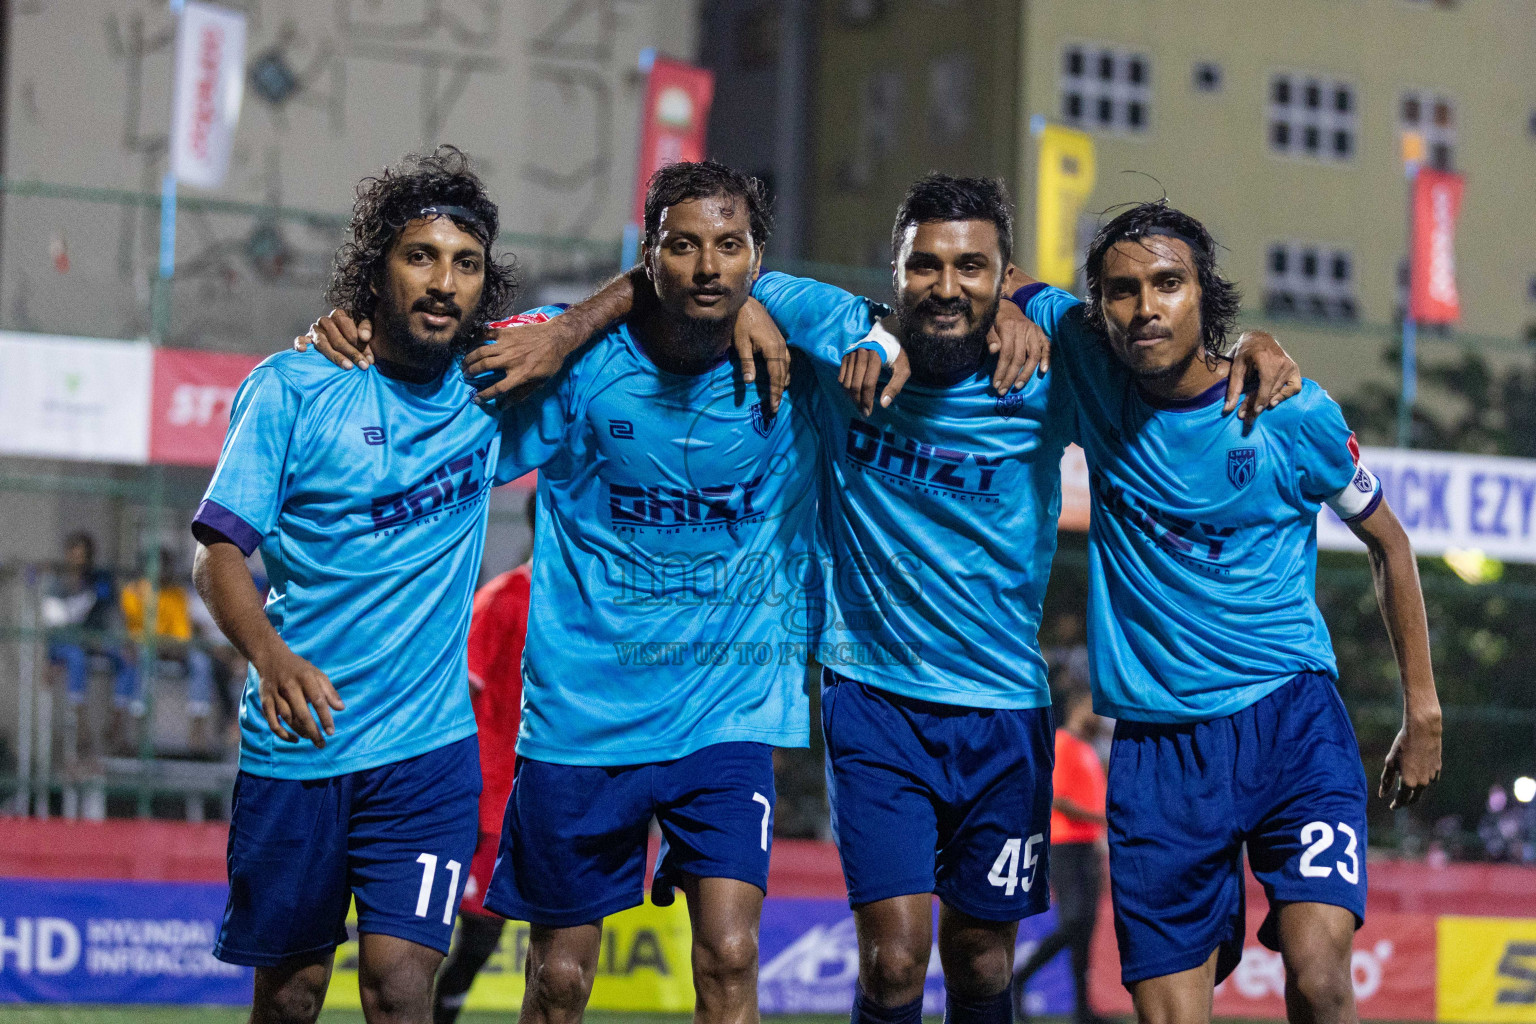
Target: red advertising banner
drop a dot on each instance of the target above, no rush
(1392, 967)
(676, 115)
(190, 400)
(1433, 298)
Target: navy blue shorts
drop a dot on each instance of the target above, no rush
(1283, 776)
(574, 837)
(398, 837)
(939, 798)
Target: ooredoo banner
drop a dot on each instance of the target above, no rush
(1392, 968)
(1433, 298)
(210, 79)
(672, 129)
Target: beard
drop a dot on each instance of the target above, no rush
(422, 352)
(691, 344)
(943, 358)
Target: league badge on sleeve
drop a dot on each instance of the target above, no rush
(759, 421)
(1241, 463)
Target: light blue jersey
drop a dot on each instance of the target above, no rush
(941, 522)
(674, 587)
(367, 497)
(1202, 550)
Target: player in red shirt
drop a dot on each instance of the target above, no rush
(1077, 843)
(498, 626)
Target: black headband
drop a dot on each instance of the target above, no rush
(1194, 246)
(468, 216)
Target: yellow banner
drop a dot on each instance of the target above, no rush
(1065, 178)
(1486, 969)
(645, 964)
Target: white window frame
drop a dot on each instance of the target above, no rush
(1120, 92)
(1326, 119)
(1323, 296)
(1432, 134)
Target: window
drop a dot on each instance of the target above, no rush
(951, 84)
(1312, 117)
(1303, 279)
(1434, 118)
(1207, 77)
(880, 106)
(1106, 89)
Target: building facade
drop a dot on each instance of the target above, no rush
(1279, 125)
(545, 95)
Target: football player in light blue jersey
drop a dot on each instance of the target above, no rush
(1205, 639)
(941, 512)
(941, 515)
(674, 559)
(366, 494)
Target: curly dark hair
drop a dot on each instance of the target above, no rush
(945, 197)
(1220, 300)
(704, 179)
(397, 196)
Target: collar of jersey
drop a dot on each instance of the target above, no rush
(1210, 396)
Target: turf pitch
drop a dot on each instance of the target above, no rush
(224, 1015)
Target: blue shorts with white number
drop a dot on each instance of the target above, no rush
(1282, 775)
(939, 798)
(398, 837)
(574, 837)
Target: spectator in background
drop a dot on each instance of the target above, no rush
(1077, 849)
(498, 625)
(83, 599)
(1065, 647)
(174, 635)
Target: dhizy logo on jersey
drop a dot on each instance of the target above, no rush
(663, 506)
(450, 485)
(948, 470)
(1191, 540)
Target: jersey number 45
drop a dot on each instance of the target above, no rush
(1005, 870)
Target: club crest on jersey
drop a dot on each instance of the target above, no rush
(1241, 463)
(1011, 404)
(759, 421)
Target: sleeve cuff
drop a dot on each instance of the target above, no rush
(1023, 295)
(221, 520)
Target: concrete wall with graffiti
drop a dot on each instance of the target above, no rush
(543, 93)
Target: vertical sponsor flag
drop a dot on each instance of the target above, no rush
(676, 116)
(1065, 178)
(1433, 298)
(210, 77)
